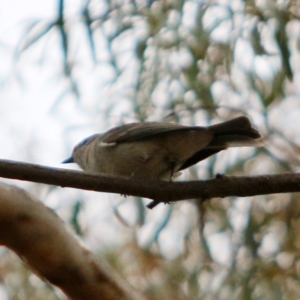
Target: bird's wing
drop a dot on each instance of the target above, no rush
(136, 131)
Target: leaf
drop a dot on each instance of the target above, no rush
(77, 208)
(88, 23)
(44, 28)
(282, 41)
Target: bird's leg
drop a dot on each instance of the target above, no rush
(153, 203)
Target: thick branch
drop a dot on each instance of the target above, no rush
(37, 235)
(222, 186)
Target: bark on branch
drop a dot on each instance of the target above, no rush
(37, 235)
(221, 186)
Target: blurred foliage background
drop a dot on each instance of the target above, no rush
(191, 62)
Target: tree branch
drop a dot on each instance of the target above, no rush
(221, 186)
(37, 235)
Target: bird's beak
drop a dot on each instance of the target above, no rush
(68, 160)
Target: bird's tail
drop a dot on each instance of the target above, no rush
(237, 132)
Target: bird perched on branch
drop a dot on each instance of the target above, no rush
(159, 151)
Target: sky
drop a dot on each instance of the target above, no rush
(25, 95)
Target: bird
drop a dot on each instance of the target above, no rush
(158, 150)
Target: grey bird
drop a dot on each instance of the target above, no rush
(159, 151)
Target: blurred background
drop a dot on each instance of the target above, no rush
(71, 68)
